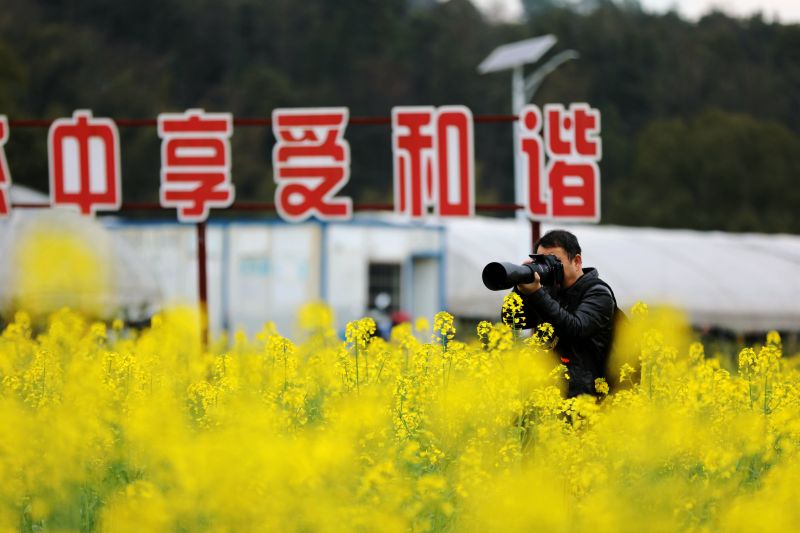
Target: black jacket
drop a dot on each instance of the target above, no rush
(583, 318)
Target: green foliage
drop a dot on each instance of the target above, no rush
(695, 115)
(714, 159)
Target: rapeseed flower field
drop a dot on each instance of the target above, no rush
(109, 429)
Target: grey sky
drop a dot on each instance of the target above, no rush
(787, 11)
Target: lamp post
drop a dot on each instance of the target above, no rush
(515, 56)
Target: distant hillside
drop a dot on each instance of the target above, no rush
(701, 121)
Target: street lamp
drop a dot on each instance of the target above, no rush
(515, 56)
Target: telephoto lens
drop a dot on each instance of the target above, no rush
(499, 276)
(502, 276)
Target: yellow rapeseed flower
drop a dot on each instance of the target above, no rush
(112, 430)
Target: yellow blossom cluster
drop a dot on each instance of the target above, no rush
(512, 310)
(111, 429)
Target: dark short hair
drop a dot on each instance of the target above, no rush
(559, 238)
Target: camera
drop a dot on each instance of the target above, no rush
(502, 276)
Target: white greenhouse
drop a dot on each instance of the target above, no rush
(265, 270)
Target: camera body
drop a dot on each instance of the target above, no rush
(502, 276)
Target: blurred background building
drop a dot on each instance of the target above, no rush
(258, 271)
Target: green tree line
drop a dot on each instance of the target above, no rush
(701, 120)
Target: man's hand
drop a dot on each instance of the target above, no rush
(535, 285)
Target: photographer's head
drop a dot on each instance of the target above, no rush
(563, 245)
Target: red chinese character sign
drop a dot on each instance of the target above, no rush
(311, 163)
(85, 163)
(195, 162)
(432, 152)
(566, 186)
(5, 175)
(433, 159)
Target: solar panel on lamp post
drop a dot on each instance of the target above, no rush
(514, 56)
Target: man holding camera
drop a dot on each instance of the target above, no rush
(579, 306)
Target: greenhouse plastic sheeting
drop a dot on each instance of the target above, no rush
(742, 282)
